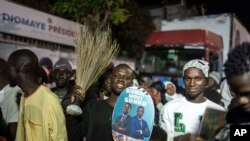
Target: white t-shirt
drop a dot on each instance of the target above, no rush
(180, 117)
(9, 104)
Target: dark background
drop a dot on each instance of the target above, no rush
(240, 7)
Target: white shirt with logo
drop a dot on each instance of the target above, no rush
(180, 117)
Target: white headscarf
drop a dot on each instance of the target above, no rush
(175, 95)
(169, 82)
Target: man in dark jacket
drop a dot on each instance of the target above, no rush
(64, 89)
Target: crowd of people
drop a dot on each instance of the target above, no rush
(40, 101)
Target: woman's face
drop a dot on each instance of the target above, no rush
(107, 83)
(170, 89)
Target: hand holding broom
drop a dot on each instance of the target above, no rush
(94, 51)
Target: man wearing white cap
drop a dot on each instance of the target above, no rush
(183, 116)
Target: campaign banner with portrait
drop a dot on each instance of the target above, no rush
(133, 116)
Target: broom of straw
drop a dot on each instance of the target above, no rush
(94, 51)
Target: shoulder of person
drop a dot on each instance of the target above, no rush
(178, 95)
(175, 102)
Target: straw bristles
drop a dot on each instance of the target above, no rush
(94, 51)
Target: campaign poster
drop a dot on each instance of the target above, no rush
(133, 116)
(213, 121)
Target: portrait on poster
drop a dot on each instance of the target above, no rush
(133, 116)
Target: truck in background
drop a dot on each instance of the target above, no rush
(202, 37)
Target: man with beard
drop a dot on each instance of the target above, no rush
(98, 114)
(183, 116)
(40, 117)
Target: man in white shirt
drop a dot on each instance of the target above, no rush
(8, 99)
(183, 116)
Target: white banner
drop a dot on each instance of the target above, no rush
(27, 22)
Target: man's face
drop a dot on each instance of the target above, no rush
(62, 77)
(121, 78)
(126, 109)
(195, 82)
(240, 86)
(140, 112)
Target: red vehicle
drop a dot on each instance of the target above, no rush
(166, 52)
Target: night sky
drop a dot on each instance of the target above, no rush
(240, 7)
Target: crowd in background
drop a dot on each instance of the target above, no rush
(39, 100)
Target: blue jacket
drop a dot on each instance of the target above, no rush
(138, 128)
